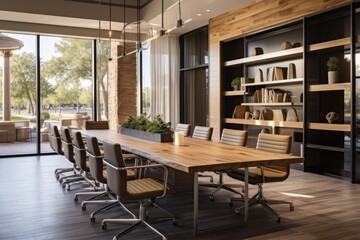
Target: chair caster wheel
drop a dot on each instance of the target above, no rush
(68, 188)
(212, 198)
(92, 219)
(237, 211)
(103, 226)
(278, 220)
(63, 186)
(174, 223)
(76, 199)
(83, 207)
(292, 208)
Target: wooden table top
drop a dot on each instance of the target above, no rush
(197, 155)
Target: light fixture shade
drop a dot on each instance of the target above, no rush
(9, 43)
(129, 32)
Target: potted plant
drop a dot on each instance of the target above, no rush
(333, 68)
(153, 130)
(235, 84)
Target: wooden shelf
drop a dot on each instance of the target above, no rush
(235, 93)
(277, 82)
(274, 56)
(329, 44)
(329, 87)
(330, 127)
(265, 123)
(273, 104)
(327, 148)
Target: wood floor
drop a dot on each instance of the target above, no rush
(34, 206)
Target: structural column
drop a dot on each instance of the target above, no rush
(6, 96)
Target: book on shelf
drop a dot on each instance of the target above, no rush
(280, 73)
(269, 95)
(291, 72)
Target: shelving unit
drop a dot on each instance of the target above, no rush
(328, 147)
(242, 64)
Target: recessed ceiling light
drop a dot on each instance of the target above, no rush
(208, 10)
(199, 14)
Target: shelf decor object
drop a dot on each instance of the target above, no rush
(333, 74)
(235, 84)
(332, 117)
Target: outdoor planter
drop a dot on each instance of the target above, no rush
(156, 137)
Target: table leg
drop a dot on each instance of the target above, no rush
(246, 194)
(196, 203)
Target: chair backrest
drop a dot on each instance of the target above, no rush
(67, 144)
(202, 133)
(96, 125)
(184, 128)
(55, 140)
(95, 159)
(234, 137)
(275, 143)
(80, 151)
(116, 179)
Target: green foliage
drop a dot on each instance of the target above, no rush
(332, 64)
(143, 123)
(235, 82)
(45, 114)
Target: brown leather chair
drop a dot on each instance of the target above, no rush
(203, 133)
(231, 137)
(131, 190)
(68, 149)
(98, 172)
(184, 128)
(55, 144)
(96, 125)
(264, 174)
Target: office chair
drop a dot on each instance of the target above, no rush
(131, 190)
(82, 162)
(96, 125)
(68, 149)
(184, 128)
(203, 133)
(55, 144)
(98, 172)
(231, 137)
(263, 174)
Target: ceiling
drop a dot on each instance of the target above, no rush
(85, 14)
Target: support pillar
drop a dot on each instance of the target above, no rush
(6, 96)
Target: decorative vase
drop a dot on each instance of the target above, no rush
(332, 117)
(333, 77)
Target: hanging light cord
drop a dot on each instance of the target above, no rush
(138, 46)
(110, 33)
(124, 32)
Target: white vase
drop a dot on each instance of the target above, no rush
(333, 77)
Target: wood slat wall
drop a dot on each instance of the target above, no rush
(252, 18)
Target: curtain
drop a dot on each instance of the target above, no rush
(164, 71)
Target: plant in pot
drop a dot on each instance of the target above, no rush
(333, 74)
(235, 84)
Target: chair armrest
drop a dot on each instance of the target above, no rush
(165, 174)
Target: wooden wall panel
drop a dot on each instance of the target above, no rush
(252, 18)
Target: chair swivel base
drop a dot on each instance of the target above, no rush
(136, 222)
(259, 198)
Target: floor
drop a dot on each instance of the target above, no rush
(34, 206)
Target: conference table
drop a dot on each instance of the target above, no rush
(197, 156)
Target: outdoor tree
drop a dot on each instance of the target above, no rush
(23, 81)
(72, 67)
